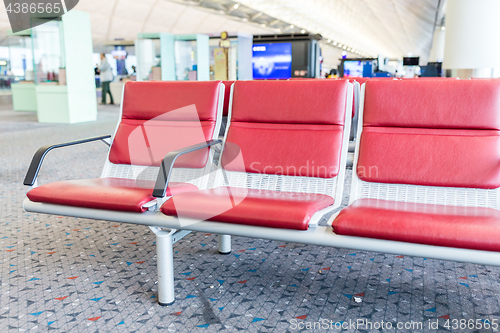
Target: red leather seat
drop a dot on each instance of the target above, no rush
(284, 128)
(277, 123)
(439, 133)
(431, 133)
(157, 118)
(261, 208)
(451, 226)
(103, 193)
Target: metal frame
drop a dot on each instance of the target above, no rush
(322, 235)
(353, 195)
(354, 125)
(168, 164)
(165, 262)
(36, 162)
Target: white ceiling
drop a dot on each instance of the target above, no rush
(392, 28)
(124, 19)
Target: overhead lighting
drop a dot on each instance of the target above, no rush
(349, 49)
(443, 28)
(345, 47)
(334, 43)
(340, 45)
(292, 26)
(329, 41)
(236, 6)
(303, 31)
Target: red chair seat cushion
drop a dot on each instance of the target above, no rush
(450, 226)
(261, 208)
(118, 194)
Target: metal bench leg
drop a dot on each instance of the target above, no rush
(165, 265)
(224, 244)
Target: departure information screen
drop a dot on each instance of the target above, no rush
(272, 61)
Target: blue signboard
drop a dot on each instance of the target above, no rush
(272, 61)
(354, 68)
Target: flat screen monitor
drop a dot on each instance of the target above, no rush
(410, 61)
(428, 71)
(353, 69)
(119, 54)
(272, 61)
(437, 65)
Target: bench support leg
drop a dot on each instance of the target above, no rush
(224, 244)
(165, 265)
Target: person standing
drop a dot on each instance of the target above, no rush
(106, 78)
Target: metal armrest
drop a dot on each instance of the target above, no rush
(168, 163)
(37, 160)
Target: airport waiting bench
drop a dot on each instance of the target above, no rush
(272, 126)
(426, 174)
(425, 179)
(159, 122)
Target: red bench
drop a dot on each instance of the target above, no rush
(281, 138)
(425, 183)
(156, 118)
(283, 161)
(282, 166)
(427, 170)
(160, 123)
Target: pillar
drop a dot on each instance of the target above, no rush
(472, 45)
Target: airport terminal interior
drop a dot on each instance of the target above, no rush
(251, 165)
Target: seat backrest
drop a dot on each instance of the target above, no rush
(429, 141)
(162, 116)
(432, 78)
(292, 135)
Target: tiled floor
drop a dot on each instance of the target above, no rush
(68, 274)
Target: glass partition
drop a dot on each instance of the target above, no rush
(168, 57)
(48, 56)
(148, 53)
(21, 57)
(185, 60)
